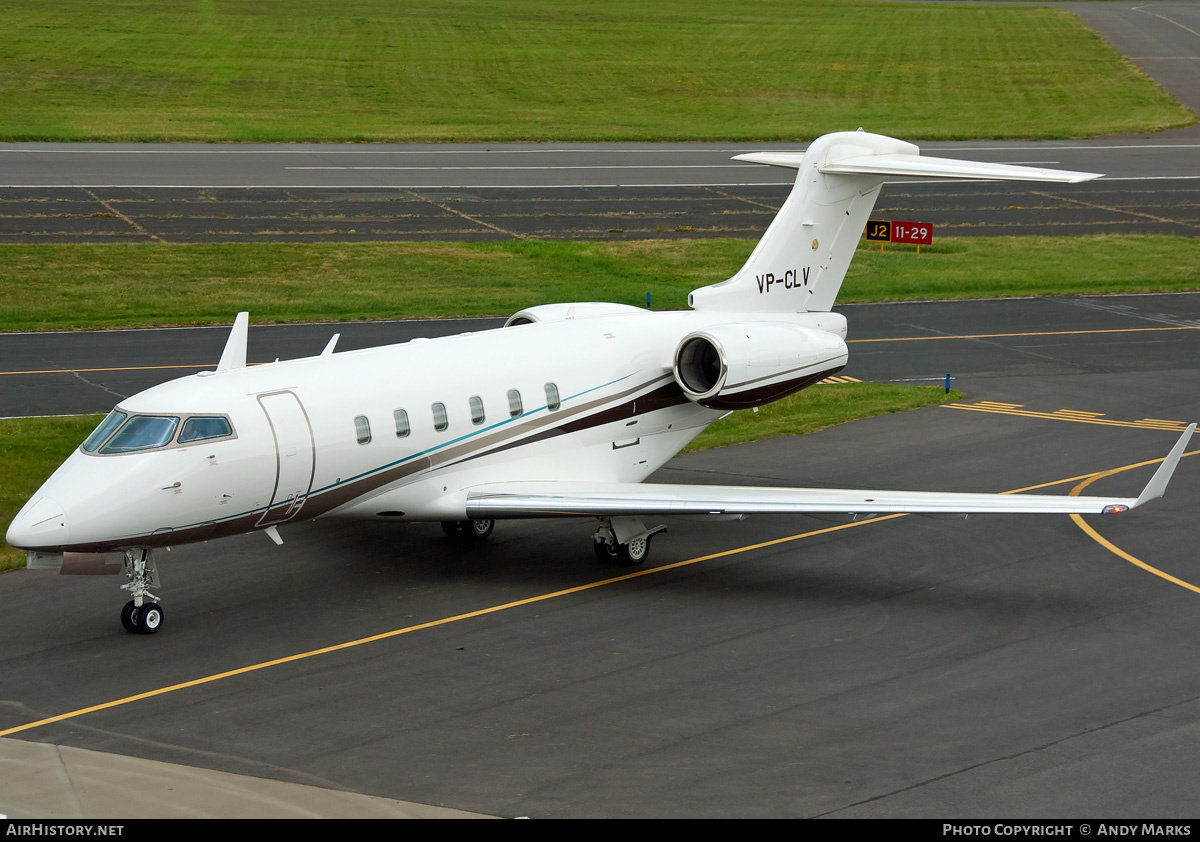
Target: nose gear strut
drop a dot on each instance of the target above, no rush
(143, 614)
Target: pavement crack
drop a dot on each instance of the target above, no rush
(111, 209)
(1013, 756)
(467, 216)
(724, 194)
(99, 386)
(1098, 206)
(1131, 312)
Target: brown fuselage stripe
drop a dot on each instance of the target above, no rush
(568, 421)
(766, 394)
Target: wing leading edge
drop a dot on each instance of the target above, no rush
(549, 499)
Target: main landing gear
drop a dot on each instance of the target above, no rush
(476, 530)
(623, 540)
(143, 614)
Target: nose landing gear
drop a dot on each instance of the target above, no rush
(143, 614)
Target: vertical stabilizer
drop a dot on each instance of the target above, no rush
(799, 264)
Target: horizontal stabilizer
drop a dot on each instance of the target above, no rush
(774, 159)
(920, 166)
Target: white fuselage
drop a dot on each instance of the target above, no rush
(300, 448)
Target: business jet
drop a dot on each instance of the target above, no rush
(561, 412)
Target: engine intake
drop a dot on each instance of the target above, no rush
(739, 366)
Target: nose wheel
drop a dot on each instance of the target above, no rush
(143, 614)
(144, 619)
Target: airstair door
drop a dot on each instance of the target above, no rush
(295, 455)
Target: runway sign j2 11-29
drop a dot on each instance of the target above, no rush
(895, 231)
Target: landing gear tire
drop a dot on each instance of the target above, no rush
(629, 555)
(150, 618)
(129, 617)
(478, 530)
(606, 552)
(635, 552)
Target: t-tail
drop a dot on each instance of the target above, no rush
(799, 264)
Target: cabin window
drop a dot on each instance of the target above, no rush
(440, 421)
(98, 436)
(552, 402)
(362, 429)
(402, 426)
(515, 407)
(142, 432)
(201, 427)
(476, 403)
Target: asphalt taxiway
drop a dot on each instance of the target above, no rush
(997, 666)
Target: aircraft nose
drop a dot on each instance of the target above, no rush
(41, 524)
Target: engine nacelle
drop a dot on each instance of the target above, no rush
(566, 312)
(738, 366)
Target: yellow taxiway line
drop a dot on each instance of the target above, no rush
(312, 653)
(1084, 480)
(1091, 532)
(1076, 415)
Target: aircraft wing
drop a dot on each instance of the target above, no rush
(548, 499)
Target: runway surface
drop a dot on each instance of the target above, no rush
(998, 666)
(139, 193)
(182, 193)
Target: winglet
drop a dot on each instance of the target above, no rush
(1158, 482)
(234, 355)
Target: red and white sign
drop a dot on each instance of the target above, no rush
(920, 233)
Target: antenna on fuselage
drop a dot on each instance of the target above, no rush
(234, 355)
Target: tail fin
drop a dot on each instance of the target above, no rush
(799, 263)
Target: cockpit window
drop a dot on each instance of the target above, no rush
(142, 432)
(200, 427)
(110, 423)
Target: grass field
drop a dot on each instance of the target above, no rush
(130, 285)
(817, 409)
(30, 450)
(438, 70)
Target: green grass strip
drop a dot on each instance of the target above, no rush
(74, 286)
(455, 70)
(816, 409)
(30, 450)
